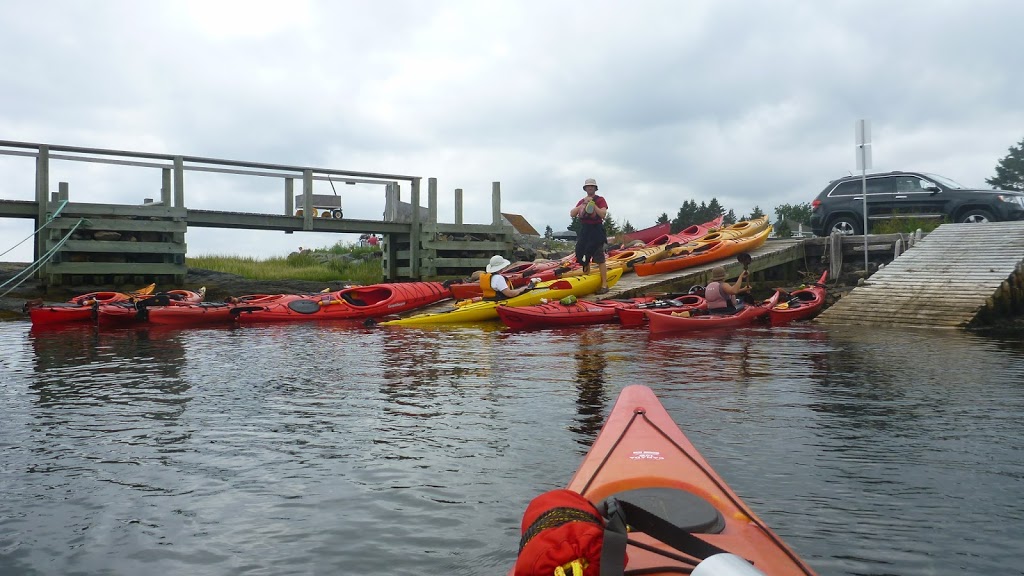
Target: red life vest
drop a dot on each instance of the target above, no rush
(585, 218)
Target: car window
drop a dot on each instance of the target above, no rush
(848, 188)
(855, 187)
(909, 184)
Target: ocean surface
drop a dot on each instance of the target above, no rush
(341, 449)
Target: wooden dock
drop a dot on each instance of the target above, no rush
(773, 253)
(957, 275)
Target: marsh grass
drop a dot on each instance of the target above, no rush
(906, 225)
(298, 266)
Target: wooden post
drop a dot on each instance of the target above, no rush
(414, 232)
(496, 203)
(432, 200)
(307, 199)
(289, 196)
(165, 187)
(458, 206)
(42, 191)
(179, 182)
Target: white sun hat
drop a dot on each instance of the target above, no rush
(497, 263)
(590, 182)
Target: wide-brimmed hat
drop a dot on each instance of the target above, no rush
(590, 182)
(717, 274)
(497, 263)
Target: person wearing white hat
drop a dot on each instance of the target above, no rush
(494, 286)
(591, 211)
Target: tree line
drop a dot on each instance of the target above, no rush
(691, 213)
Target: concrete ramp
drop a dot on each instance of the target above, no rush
(946, 280)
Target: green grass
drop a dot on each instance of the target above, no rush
(906, 225)
(295, 266)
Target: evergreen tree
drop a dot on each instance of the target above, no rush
(610, 227)
(548, 232)
(663, 219)
(627, 228)
(714, 209)
(1010, 170)
(729, 218)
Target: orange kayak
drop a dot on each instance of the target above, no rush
(643, 470)
(704, 252)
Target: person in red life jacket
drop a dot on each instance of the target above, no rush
(494, 286)
(372, 241)
(591, 211)
(720, 296)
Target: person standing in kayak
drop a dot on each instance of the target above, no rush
(494, 286)
(720, 296)
(591, 211)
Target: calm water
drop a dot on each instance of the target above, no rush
(337, 449)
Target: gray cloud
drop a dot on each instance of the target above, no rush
(750, 102)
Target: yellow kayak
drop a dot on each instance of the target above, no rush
(487, 310)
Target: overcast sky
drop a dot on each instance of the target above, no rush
(752, 102)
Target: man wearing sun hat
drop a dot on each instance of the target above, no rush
(591, 211)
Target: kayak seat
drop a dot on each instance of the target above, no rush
(681, 509)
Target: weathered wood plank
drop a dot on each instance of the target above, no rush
(124, 247)
(120, 225)
(114, 268)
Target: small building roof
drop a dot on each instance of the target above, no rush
(520, 224)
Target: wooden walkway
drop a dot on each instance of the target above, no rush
(945, 280)
(771, 253)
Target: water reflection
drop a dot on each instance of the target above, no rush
(83, 364)
(592, 395)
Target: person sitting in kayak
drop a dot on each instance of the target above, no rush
(494, 286)
(721, 296)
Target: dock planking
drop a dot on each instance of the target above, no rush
(950, 277)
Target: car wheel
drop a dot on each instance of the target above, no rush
(844, 225)
(975, 216)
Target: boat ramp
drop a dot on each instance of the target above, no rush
(957, 276)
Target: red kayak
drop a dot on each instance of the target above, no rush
(205, 313)
(557, 314)
(682, 517)
(802, 304)
(80, 308)
(133, 312)
(636, 315)
(354, 303)
(668, 321)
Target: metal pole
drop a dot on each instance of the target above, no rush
(864, 193)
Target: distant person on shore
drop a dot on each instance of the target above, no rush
(372, 241)
(591, 211)
(721, 296)
(494, 286)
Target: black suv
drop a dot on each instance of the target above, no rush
(839, 207)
